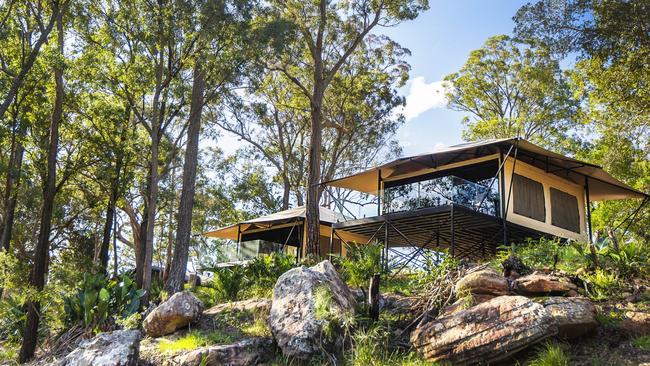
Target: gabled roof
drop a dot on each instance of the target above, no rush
(291, 215)
(602, 186)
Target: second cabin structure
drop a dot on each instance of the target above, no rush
(471, 198)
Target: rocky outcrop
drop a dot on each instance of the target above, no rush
(636, 323)
(253, 305)
(177, 312)
(485, 281)
(465, 303)
(484, 333)
(538, 284)
(294, 323)
(118, 348)
(574, 316)
(252, 351)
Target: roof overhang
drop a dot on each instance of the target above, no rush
(602, 186)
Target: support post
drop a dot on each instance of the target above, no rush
(379, 192)
(453, 232)
(386, 246)
(507, 205)
(238, 240)
(373, 297)
(591, 239)
(331, 240)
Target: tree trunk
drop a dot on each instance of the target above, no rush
(110, 212)
(179, 263)
(11, 188)
(38, 273)
(286, 192)
(313, 179)
(170, 232)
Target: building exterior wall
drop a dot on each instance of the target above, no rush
(549, 181)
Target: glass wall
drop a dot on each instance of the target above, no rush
(441, 191)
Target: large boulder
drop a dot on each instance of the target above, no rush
(485, 333)
(177, 312)
(484, 281)
(538, 284)
(252, 351)
(574, 316)
(118, 348)
(294, 322)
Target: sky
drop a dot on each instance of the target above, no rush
(440, 41)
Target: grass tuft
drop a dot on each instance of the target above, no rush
(194, 340)
(642, 343)
(550, 354)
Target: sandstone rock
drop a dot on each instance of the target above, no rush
(574, 316)
(484, 333)
(636, 323)
(538, 284)
(254, 305)
(465, 303)
(118, 348)
(252, 351)
(293, 321)
(485, 281)
(177, 312)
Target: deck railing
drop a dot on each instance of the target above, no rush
(442, 191)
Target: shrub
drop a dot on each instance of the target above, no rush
(543, 252)
(602, 284)
(361, 263)
(97, 301)
(262, 272)
(550, 354)
(229, 282)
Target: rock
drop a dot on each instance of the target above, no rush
(177, 312)
(636, 323)
(485, 281)
(253, 305)
(485, 333)
(293, 321)
(574, 316)
(118, 348)
(465, 303)
(395, 302)
(251, 351)
(538, 284)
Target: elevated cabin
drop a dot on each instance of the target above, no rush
(473, 197)
(282, 231)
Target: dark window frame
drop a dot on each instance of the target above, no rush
(526, 202)
(562, 204)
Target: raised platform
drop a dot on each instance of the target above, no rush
(459, 229)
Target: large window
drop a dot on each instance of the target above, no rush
(528, 198)
(564, 210)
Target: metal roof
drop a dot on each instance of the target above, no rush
(602, 186)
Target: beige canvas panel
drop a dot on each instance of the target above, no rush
(548, 181)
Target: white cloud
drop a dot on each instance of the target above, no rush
(423, 96)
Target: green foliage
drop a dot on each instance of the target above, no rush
(610, 318)
(194, 340)
(542, 253)
(361, 263)
(436, 267)
(263, 271)
(372, 347)
(551, 354)
(97, 301)
(602, 284)
(229, 281)
(642, 342)
(12, 319)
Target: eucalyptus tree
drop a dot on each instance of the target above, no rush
(359, 105)
(328, 32)
(609, 44)
(508, 89)
(224, 43)
(41, 253)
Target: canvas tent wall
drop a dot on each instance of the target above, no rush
(563, 183)
(286, 228)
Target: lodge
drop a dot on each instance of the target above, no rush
(467, 199)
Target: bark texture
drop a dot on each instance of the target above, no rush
(41, 254)
(176, 277)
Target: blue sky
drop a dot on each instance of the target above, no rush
(440, 41)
